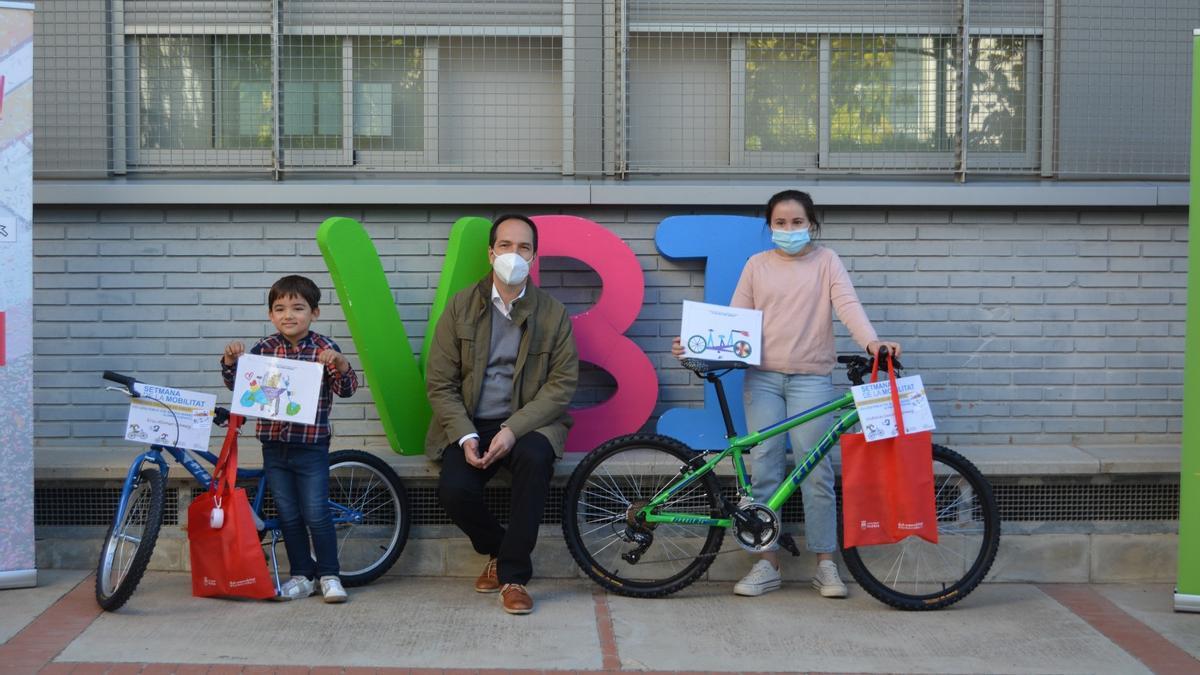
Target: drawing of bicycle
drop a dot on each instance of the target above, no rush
(697, 344)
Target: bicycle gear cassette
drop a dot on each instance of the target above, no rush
(759, 530)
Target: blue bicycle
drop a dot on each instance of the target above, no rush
(368, 500)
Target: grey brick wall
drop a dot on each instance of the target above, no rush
(1028, 327)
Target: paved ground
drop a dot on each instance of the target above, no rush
(441, 624)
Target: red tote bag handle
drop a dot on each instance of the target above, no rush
(224, 477)
(895, 391)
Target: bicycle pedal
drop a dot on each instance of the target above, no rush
(788, 544)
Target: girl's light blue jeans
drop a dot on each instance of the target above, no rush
(770, 397)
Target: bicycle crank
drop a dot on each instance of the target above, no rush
(756, 528)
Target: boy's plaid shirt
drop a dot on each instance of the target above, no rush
(333, 383)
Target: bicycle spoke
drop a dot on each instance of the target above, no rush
(611, 494)
(603, 525)
(366, 494)
(615, 538)
(594, 508)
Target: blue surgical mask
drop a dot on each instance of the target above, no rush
(790, 241)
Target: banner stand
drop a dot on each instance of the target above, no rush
(1187, 586)
(18, 567)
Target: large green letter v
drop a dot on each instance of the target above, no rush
(395, 377)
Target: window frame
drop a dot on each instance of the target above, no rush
(205, 159)
(828, 161)
(347, 158)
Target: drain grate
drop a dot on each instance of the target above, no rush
(1066, 502)
(75, 506)
(1063, 499)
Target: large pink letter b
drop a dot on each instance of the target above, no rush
(599, 332)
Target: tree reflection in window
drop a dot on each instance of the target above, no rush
(999, 96)
(389, 94)
(887, 93)
(782, 90)
(892, 93)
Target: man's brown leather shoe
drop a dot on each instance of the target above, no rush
(488, 582)
(516, 599)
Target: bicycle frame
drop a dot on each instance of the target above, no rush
(202, 476)
(738, 445)
(342, 514)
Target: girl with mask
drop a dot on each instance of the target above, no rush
(798, 286)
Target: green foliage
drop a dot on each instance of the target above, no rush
(887, 93)
(782, 90)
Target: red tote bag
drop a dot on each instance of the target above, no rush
(887, 485)
(227, 558)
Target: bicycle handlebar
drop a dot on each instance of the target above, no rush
(858, 367)
(121, 379)
(220, 415)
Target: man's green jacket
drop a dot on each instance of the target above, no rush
(544, 379)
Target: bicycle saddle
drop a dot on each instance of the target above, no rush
(702, 366)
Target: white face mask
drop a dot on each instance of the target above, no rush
(511, 268)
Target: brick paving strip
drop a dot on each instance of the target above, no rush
(46, 636)
(1154, 651)
(610, 659)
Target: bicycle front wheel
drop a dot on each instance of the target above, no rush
(914, 574)
(130, 540)
(370, 515)
(607, 539)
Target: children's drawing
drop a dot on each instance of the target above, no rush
(277, 389)
(720, 333)
(269, 393)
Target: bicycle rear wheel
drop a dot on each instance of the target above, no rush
(130, 540)
(914, 574)
(370, 515)
(602, 532)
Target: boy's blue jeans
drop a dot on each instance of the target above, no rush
(770, 397)
(298, 477)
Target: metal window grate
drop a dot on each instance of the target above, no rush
(1070, 88)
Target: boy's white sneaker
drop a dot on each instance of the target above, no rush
(331, 589)
(762, 578)
(827, 582)
(296, 588)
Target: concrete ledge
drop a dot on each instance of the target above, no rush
(299, 189)
(1007, 460)
(111, 463)
(1146, 459)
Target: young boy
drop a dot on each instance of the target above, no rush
(296, 456)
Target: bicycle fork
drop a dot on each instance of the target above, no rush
(275, 559)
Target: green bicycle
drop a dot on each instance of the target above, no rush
(644, 515)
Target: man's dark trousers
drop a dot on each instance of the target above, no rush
(460, 490)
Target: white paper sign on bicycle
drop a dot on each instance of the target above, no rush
(875, 413)
(284, 390)
(169, 416)
(720, 333)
